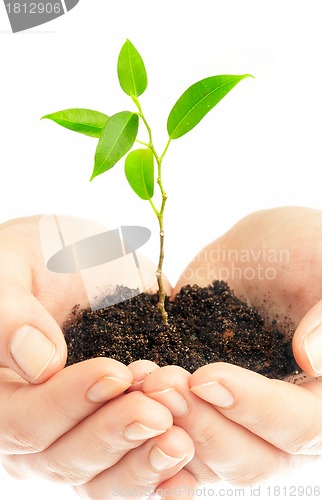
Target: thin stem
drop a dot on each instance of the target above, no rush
(154, 208)
(142, 142)
(162, 293)
(165, 150)
(158, 213)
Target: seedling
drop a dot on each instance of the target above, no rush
(117, 134)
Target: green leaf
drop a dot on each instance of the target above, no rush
(84, 121)
(131, 70)
(197, 101)
(139, 171)
(116, 140)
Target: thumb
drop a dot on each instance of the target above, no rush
(31, 342)
(307, 341)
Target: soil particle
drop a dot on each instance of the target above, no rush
(206, 325)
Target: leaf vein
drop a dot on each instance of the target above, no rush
(199, 102)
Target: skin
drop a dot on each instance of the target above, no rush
(274, 423)
(76, 430)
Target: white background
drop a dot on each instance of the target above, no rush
(260, 148)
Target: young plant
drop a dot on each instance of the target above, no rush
(117, 134)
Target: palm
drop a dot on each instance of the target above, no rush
(31, 241)
(280, 268)
(20, 239)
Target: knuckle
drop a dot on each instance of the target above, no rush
(19, 440)
(201, 471)
(305, 445)
(257, 419)
(204, 437)
(108, 448)
(65, 417)
(103, 448)
(255, 471)
(245, 477)
(305, 437)
(62, 474)
(142, 482)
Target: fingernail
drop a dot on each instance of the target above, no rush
(137, 432)
(313, 349)
(214, 393)
(161, 461)
(31, 350)
(173, 400)
(106, 388)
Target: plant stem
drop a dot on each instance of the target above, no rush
(162, 293)
(159, 213)
(142, 142)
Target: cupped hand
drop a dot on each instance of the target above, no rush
(273, 260)
(33, 303)
(75, 430)
(246, 427)
(292, 233)
(70, 425)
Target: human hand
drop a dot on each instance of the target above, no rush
(69, 425)
(273, 424)
(278, 268)
(69, 435)
(35, 302)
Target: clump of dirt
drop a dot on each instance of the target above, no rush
(205, 325)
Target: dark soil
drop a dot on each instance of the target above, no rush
(205, 325)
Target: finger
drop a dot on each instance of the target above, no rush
(183, 485)
(307, 341)
(201, 471)
(216, 438)
(99, 441)
(32, 417)
(281, 413)
(140, 369)
(31, 342)
(141, 471)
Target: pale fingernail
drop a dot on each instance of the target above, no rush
(161, 461)
(214, 393)
(138, 432)
(313, 349)
(106, 388)
(31, 350)
(173, 400)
